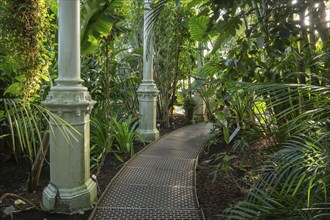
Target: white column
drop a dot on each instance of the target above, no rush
(69, 46)
(147, 91)
(70, 189)
(200, 104)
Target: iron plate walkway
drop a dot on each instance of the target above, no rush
(159, 182)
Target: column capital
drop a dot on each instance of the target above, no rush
(69, 101)
(148, 87)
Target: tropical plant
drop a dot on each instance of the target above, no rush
(28, 34)
(270, 42)
(213, 138)
(106, 60)
(104, 69)
(98, 18)
(295, 180)
(27, 38)
(174, 53)
(294, 184)
(223, 164)
(30, 135)
(189, 105)
(101, 142)
(125, 133)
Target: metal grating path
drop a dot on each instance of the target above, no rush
(159, 182)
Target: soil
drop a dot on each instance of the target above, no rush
(233, 181)
(215, 195)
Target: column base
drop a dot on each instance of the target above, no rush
(69, 201)
(149, 135)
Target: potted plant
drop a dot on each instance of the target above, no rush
(189, 106)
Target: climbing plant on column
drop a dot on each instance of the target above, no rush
(27, 39)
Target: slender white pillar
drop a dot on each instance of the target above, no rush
(70, 189)
(200, 104)
(147, 91)
(69, 46)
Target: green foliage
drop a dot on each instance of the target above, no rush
(27, 130)
(174, 53)
(305, 105)
(23, 122)
(268, 72)
(109, 73)
(295, 179)
(125, 134)
(266, 77)
(14, 89)
(27, 43)
(98, 18)
(114, 136)
(101, 141)
(27, 125)
(101, 134)
(295, 184)
(189, 103)
(223, 163)
(27, 38)
(106, 63)
(197, 28)
(113, 88)
(213, 138)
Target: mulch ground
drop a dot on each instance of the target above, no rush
(217, 194)
(233, 181)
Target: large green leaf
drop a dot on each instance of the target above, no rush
(97, 20)
(208, 70)
(229, 26)
(87, 11)
(14, 89)
(197, 28)
(221, 39)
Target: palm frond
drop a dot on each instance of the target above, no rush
(295, 179)
(97, 20)
(27, 124)
(154, 13)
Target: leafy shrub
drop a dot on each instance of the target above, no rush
(295, 180)
(189, 106)
(101, 141)
(125, 133)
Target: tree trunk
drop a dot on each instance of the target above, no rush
(176, 68)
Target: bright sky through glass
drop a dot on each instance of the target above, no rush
(307, 21)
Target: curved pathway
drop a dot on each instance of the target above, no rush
(159, 182)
